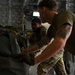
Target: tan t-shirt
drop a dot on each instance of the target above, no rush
(64, 18)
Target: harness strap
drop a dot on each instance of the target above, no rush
(12, 43)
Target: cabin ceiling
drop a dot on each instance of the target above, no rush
(29, 7)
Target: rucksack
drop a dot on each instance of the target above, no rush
(11, 42)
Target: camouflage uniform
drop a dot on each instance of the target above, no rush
(37, 35)
(57, 60)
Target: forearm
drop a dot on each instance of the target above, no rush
(33, 48)
(59, 42)
(44, 41)
(52, 49)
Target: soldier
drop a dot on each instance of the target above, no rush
(60, 30)
(39, 30)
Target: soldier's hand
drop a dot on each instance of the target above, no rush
(25, 56)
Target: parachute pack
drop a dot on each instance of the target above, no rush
(10, 42)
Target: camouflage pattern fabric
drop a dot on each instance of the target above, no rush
(55, 62)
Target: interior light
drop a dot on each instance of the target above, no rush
(36, 13)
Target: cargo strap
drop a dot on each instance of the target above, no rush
(12, 43)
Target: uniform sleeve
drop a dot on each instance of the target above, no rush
(64, 17)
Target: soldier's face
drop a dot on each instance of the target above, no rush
(42, 14)
(35, 25)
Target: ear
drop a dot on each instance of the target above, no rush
(43, 9)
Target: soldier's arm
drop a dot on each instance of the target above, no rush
(44, 41)
(58, 43)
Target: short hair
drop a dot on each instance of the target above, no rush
(37, 20)
(50, 4)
